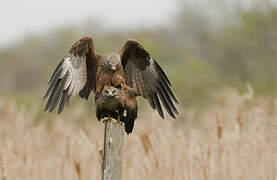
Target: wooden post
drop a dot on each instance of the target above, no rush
(113, 150)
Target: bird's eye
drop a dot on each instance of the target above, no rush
(106, 91)
(113, 91)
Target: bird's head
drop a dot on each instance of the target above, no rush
(112, 61)
(110, 93)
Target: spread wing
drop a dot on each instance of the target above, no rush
(74, 75)
(147, 78)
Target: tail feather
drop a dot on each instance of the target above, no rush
(129, 125)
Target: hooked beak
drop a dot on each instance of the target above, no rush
(110, 93)
(113, 68)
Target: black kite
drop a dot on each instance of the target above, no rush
(120, 104)
(83, 70)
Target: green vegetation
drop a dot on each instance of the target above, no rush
(199, 54)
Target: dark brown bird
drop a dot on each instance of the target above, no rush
(82, 70)
(112, 102)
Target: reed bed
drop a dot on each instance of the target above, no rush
(234, 139)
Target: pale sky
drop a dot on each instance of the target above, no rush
(18, 17)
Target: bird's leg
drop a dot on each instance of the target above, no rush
(124, 86)
(107, 119)
(118, 119)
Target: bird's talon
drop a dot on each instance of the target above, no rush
(124, 86)
(107, 119)
(118, 120)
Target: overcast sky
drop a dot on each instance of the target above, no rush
(18, 17)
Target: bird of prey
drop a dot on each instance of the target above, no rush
(82, 71)
(113, 102)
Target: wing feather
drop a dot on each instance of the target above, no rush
(55, 72)
(52, 82)
(147, 78)
(73, 75)
(165, 103)
(64, 100)
(49, 102)
(167, 97)
(157, 104)
(57, 95)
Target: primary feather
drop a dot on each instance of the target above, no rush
(82, 71)
(147, 78)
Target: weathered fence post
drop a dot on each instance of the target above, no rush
(112, 153)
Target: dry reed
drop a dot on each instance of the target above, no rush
(192, 147)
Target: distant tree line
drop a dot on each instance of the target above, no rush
(200, 52)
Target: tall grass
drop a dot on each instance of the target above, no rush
(236, 139)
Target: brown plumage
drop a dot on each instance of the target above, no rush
(82, 70)
(147, 78)
(112, 102)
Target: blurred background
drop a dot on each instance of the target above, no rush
(221, 57)
(202, 45)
